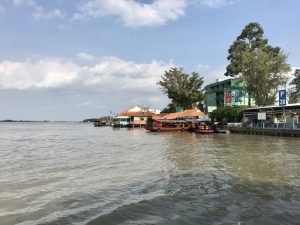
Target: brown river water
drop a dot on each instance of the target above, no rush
(74, 173)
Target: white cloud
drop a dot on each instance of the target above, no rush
(39, 12)
(136, 14)
(86, 57)
(133, 13)
(211, 74)
(42, 74)
(112, 82)
(107, 74)
(111, 71)
(214, 3)
(22, 2)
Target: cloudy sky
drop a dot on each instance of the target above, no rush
(70, 60)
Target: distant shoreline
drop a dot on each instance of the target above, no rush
(37, 121)
(13, 121)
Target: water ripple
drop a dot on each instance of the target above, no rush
(64, 173)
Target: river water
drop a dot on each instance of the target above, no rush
(74, 173)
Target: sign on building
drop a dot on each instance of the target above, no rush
(227, 97)
(236, 96)
(282, 97)
(261, 116)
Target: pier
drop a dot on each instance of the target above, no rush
(266, 131)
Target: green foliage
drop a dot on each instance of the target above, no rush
(260, 66)
(91, 120)
(171, 108)
(294, 96)
(227, 114)
(183, 89)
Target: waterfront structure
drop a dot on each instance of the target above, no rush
(178, 121)
(229, 92)
(266, 131)
(275, 116)
(135, 116)
(189, 114)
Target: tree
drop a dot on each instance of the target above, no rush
(294, 96)
(171, 107)
(91, 120)
(261, 67)
(183, 89)
(227, 114)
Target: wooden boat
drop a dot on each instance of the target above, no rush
(100, 123)
(222, 128)
(167, 125)
(205, 128)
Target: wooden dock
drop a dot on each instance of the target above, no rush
(266, 131)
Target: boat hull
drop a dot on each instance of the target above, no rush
(225, 131)
(164, 129)
(204, 131)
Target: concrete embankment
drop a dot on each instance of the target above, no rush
(266, 131)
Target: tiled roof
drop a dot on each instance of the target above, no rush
(137, 114)
(186, 113)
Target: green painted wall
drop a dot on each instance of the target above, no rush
(214, 94)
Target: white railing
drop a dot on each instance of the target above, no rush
(280, 125)
(234, 124)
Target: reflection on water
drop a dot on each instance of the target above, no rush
(77, 174)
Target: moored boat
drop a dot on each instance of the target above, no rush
(100, 123)
(204, 128)
(167, 125)
(222, 128)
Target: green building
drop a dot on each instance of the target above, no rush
(228, 92)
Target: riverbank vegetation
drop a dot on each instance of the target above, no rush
(262, 69)
(294, 95)
(260, 66)
(183, 89)
(92, 120)
(227, 114)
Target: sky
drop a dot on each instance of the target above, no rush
(71, 60)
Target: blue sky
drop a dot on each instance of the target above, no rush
(70, 60)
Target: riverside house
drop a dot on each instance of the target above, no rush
(135, 116)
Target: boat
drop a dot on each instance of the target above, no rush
(205, 127)
(222, 128)
(167, 125)
(100, 123)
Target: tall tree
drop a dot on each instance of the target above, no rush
(261, 67)
(171, 108)
(294, 95)
(183, 89)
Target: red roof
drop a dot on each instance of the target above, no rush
(137, 114)
(186, 113)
